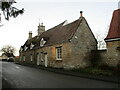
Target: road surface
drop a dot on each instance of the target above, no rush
(18, 76)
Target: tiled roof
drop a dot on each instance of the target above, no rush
(114, 30)
(36, 40)
(61, 33)
(58, 34)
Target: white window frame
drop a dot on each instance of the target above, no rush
(31, 57)
(31, 46)
(42, 42)
(59, 53)
(21, 49)
(23, 57)
(41, 57)
(25, 48)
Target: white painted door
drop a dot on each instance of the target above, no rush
(38, 60)
(46, 60)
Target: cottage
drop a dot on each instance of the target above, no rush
(113, 40)
(67, 45)
(111, 56)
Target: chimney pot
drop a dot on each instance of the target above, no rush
(41, 24)
(81, 13)
(30, 34)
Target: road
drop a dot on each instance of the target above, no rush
(18, 76)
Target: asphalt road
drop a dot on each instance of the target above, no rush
(18, 76)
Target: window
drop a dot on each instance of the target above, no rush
(21, 49)
(42, 42)
(31, 46)
(38, 59)
(24, 58)
(41, 55)
(31, 57)
(25, 48)
(59, 53)
(20, 58)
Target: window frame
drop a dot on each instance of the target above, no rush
(59, 53)
(25, 48)
(42, 42)
(31, 46)
(31, 57)
(23, 57)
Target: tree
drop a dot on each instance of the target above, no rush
(8, 50)
(9, 10)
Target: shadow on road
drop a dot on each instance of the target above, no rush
(5, 84)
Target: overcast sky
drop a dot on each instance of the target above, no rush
(98, 13)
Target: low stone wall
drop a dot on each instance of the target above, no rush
(104, 58)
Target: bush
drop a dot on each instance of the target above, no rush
(96, 71)
(101, 72)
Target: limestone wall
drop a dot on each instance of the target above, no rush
(83, 42)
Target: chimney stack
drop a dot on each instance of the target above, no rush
(30, 35)
(41, 29)
(81, 13)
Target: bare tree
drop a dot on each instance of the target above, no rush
(8, 50)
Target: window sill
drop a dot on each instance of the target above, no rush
(58, 59)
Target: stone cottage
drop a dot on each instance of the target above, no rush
(67, 45)
(111, 56)
(113, 40)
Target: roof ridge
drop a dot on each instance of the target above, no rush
(80, 19)
(57, 25)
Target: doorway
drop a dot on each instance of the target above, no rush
(38, 60)
(46, 60)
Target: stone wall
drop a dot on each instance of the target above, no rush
(83, 42)
(27, 55)
(113, 53)
(51, 54)
(109, 57)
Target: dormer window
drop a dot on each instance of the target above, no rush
(25, 48)
(21, 49)
(31, 46)
(42, 42)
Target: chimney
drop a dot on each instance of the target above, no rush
(41, 29)
(30, 35)
(81, 13)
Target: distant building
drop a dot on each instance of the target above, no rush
(67, 45)
(113, 40)
(111, 56)
(3, 57)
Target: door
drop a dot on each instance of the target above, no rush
(38, 60)
(46, 60)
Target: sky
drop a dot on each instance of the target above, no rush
(98, 14)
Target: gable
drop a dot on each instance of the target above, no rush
(84, 32)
